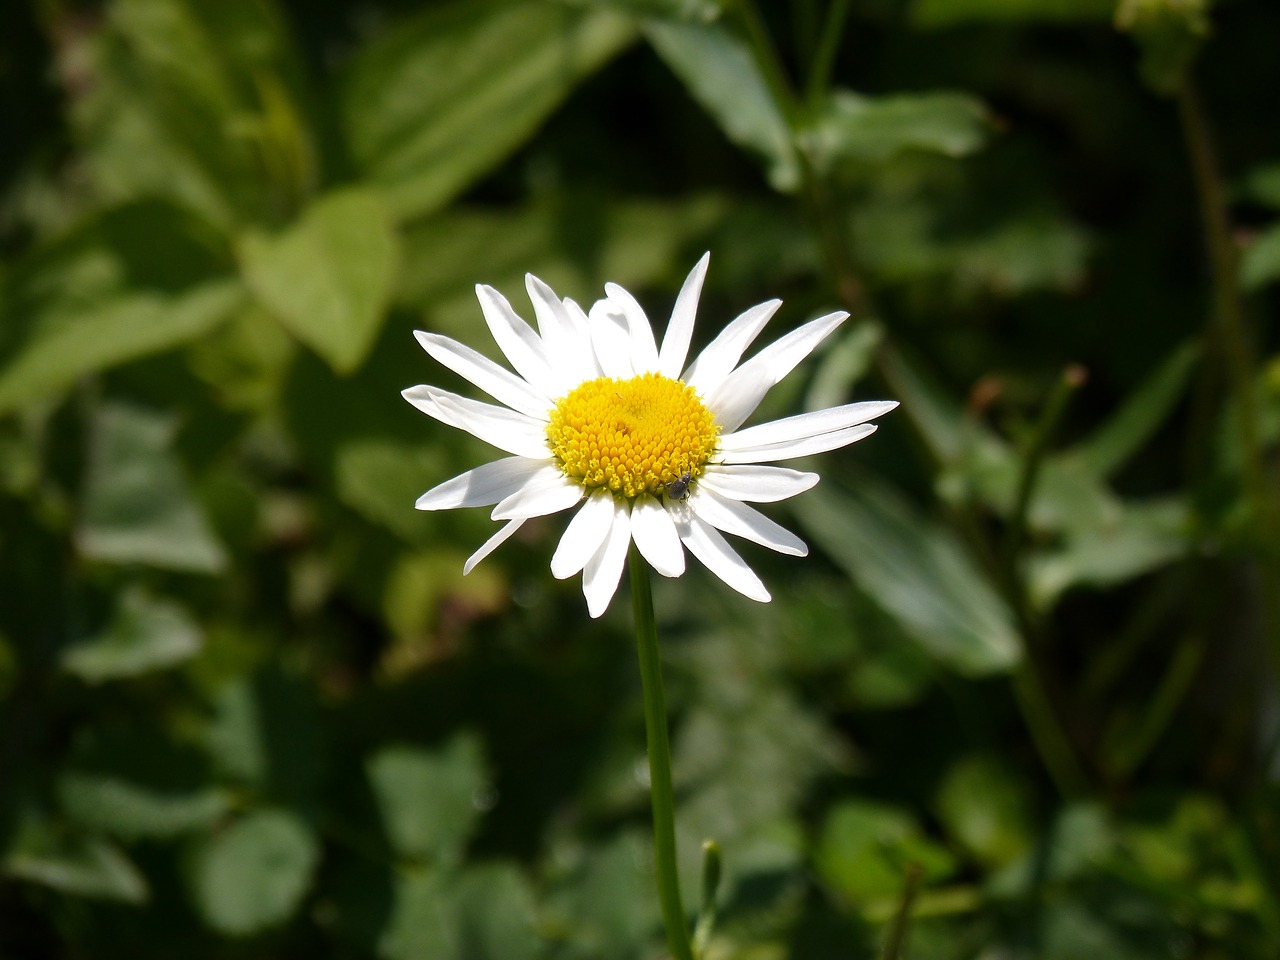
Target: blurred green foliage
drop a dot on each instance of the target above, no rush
(249, 707)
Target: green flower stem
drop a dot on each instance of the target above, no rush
(661, 792)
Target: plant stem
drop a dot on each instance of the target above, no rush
(661, 791)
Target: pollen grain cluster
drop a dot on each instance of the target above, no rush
(632, 436)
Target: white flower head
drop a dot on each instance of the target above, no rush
(599, 418)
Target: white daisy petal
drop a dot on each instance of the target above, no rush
(675, 342)
(705, 543)
(584, 535)
(644, 350)
(501, 384)
(610, 340)
(737, 518)
(807, 425)
(755, 484)
(505, 429)
(582, 336)
(545, 492)
(482, 486)
(492, 544)
(571, 355)
(517, 341)
(805, 447)
(603, 571)
(721, 355)
(741, 392)
(654, 533)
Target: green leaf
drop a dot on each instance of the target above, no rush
(1125, 433)
(865, 850)
(987, 808)
(199, 103)
(428, 798)
(418, 926)
(854, 127)
(721, 74)
(145, 634)
(1142, 537)
(945, 13)
(494, 914)
(917, 572)
(72, 863)
(1260, 262)
(329, 277)
(254, 874)
(137, 507)
(132, 282)
(442, 98)
(1080, 839)
(134, 783)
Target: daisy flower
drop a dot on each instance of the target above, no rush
(598, 417)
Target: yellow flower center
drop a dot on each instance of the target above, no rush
(632, 436)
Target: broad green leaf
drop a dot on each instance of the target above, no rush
(418, 926)
(137, 507)
(494, 914)
(854, 127)
(1262, 185)
(1142, 537)
(721, 74)
(199, 103)
(329, 277)
(944, 13)
(132, 282)
(917, 572)
(866, 848)
(134, 783)
(146, 633)
(254, 874)
(441, 98)
(72, 863)
(1260, 262)
(987, 808)
(428, 797)
(1124, 434)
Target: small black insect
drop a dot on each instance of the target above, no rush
(678, 488)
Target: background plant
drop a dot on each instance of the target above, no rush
(251, 708)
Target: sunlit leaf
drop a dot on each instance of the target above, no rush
(254, 874)
(146, 633)
(987, 808)
(854, 127)
(329, 277)
(917, 572)
(1260, 262)
(722, 75)
(866, 848)
(441, 98)
(137, 505)
(428, 797)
